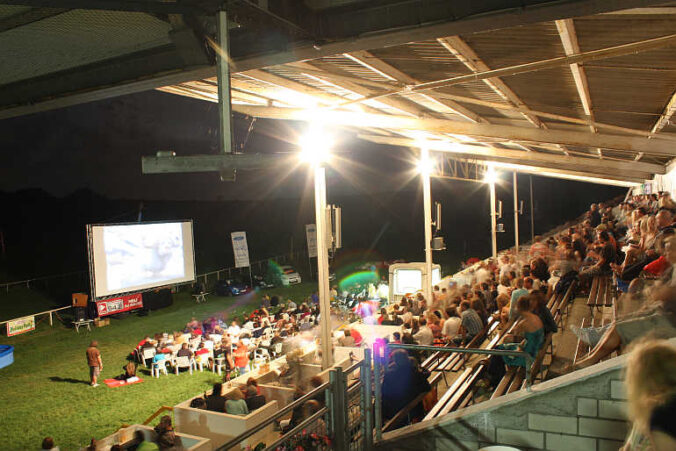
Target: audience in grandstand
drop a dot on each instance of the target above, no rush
(657, 316)
(404, 380)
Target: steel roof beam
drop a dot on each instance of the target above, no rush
(566, 29)
(587, 165)
(654, 146)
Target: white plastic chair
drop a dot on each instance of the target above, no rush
(157, 367)
(219, 364)
(203, 359)
(277, 349)
(184, 362)
(147, 353)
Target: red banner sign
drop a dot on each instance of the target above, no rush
(119, 305)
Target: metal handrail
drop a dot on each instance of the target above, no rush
(501, 352)
(280, 413)
(6, 285)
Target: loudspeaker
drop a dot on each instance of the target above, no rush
(80, 299)
(80, 313)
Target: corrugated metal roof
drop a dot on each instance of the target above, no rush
(75, 38)
(628, 91)
(9, 11)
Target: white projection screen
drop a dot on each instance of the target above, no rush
(132, 257)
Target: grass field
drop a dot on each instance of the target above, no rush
(46, 392)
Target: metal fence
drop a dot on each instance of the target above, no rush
(78, 281)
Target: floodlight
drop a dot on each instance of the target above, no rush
(490, 176)
(315, 145)
(425, 164)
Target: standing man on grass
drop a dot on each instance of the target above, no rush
(94, 362)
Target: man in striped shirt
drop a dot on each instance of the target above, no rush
(471, 323)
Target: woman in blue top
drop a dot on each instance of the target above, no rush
(529, 328)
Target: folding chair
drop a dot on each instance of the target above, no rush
(147, 353)
(203, 359)
(219, 364)
(184, 362)
(157, 367)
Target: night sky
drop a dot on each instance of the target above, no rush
(99, 146)
(66, 168)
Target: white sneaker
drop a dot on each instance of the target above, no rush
(95, 385)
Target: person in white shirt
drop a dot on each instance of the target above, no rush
(506, 266)
(451, 324)
(290, 305)
(234, 329)
(482, 275)
(424, 336)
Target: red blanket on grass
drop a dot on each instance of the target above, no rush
(112, 383)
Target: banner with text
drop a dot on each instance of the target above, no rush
(20, 326)
(240, 249)
(311, 235)
(119, 305)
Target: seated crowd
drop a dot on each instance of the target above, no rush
(632, 242)
(236, 345)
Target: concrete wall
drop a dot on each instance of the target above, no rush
(124, 435)
(581, 411)
(222, 427)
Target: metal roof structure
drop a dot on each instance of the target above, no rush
(576, 87)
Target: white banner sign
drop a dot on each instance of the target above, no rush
(20, 326)
(240, 248)
(311, 235)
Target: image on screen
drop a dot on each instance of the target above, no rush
(130, 257)
(407, 281)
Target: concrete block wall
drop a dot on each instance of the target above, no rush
(582, 411)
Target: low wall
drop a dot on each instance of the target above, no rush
(125, 435)
(584, 410)
(222, 427)
(283, 395)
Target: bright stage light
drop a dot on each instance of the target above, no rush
(490, 176)
(426, 164)
(315, 145)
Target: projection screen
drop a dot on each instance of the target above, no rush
(132, 257)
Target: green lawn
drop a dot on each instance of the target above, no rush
(46, 392)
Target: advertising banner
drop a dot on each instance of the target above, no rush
(119, 305)
(311, 235)
(240, 249)
(20, 326)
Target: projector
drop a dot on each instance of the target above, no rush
(165, 153)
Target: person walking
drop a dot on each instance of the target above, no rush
(94, 361)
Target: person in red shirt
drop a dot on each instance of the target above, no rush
(357, 336)
(242, 357)
(201, 350)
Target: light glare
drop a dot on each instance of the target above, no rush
(490, 176)
(426, 165)
(315, 145)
